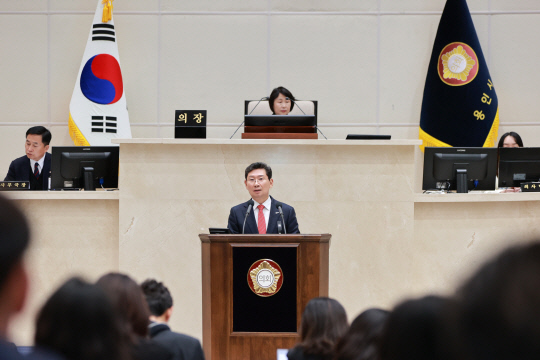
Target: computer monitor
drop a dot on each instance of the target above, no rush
(459, 168)
(88, 167)
(280, 120)
(518, 165)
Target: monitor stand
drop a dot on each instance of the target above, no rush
(461, 180)
(88, 178)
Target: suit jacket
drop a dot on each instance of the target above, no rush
(148, 349)
(183, 346)
(8, 351)
(19, 170)
(236, 219)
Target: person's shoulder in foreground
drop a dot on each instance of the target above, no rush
(297, 353)
(188, 347)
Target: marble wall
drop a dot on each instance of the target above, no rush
(365, 61)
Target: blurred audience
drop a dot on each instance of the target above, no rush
(78, 322)
(129, 303)
(324, 323)
(14, 239)
(499, 314)
(361, 341)
(160, 302)
(418, 329)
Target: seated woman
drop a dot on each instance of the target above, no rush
(363, 337)
(129, 303)
(78, 322)
(509, 140)
(324, 323)
(281, 101)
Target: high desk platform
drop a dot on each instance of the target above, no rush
(389, 241)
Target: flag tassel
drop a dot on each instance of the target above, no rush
(107, 10)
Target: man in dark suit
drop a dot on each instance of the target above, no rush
(35, 166)
(160, 302)
(264, 217)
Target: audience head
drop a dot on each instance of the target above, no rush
(78, 322)
(418, 329)
(159, 299)
(500, 306)
(361, 341)
(128, 301)
(14, 239)
(510, 139)
(324, 322)
(281, 101)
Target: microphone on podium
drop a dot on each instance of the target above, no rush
(250, 206)
(296, 103)
(280, 209)
(264, 98)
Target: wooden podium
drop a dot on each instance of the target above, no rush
(280, 132)
(239, 324)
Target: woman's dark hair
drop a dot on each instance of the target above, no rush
(79, 322)
(324, 322)
(418, 329)
(275, 93)
(500, 317)
(513, 134)
(129, 302)
(361, 341)
(258, 165)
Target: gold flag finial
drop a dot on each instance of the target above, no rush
(107, 10)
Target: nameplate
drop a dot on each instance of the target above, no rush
(190, 118)
(190, 124)
(14, 185)
(530, 187)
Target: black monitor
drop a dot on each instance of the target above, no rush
(280, 120)
(88, 167)
(518, 165)
(459, 168)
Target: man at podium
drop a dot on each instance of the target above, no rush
(262, 214)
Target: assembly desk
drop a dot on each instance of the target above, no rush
(389, 241)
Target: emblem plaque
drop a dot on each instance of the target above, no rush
(265, 277)
(457, 64)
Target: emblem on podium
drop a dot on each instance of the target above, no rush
(265, 277)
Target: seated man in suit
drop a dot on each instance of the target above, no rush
(258, 183)
(160, 302)
(35, 166)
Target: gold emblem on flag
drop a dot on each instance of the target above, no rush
(458, 64)
(265, 277)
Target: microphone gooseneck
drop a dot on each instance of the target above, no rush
(279, 207)
(263, 98)
(250, 206)
(319, 130)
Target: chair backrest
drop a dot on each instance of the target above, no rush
(309, 107)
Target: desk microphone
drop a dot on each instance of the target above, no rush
(264, 98)
(319, 130)
(279, 207)
(250, 206)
